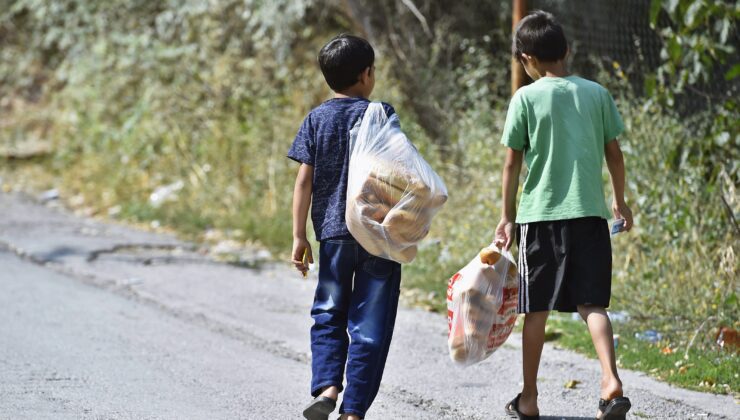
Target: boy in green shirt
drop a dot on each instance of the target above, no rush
(564, 127)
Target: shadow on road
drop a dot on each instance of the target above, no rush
(59, 253)
(564, 418)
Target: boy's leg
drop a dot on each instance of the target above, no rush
(329, 341)
(533, 338)
(602, 336)
(372, 315)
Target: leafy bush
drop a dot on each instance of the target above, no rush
(142, 94)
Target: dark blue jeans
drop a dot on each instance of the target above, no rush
(356, 293)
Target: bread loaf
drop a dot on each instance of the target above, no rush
(365, 234)
(377, 191)
(424, 198)
(458, 351)
(391, 176)
(396, 184)
(406, 227)
(374, 211)
(405, 255)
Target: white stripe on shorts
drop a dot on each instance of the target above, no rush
(519, 276)
(523, 270)
(526, 269)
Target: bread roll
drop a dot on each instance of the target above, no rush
(459, 354)
(418, 198)
(375, 211)
(367, 196)
(420, 190)
(416, 189)
(394, 178)
(489, 256)
(458, 339)
(377, 191)
(436, 201)
(512, 271)
(423, 196)
(366, 235)
(403, 256)
(406, 227)
(388, 193)
(473, 298)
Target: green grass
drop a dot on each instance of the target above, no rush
(703, 370)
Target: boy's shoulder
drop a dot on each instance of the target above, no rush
(588, 84)
(534, 93)
(344, 108)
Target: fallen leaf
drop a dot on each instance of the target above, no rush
(682, 369)
(666, 350)
(572, 384)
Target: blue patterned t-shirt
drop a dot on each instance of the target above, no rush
(323, 142)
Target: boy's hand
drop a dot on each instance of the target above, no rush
(302, 247)
(622, 211)
(504, 234)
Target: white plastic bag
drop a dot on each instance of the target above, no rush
(481, 306)
(392, 192)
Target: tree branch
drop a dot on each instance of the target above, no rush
(411, 6)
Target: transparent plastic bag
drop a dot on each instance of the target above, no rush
(392, 192)
(481, 306)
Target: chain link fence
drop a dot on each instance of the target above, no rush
(616, 36)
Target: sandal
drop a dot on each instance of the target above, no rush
(512, 409)
(614, 409)
(319, 408)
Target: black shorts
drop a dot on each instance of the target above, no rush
(563, 264)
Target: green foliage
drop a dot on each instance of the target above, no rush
(699, 36)
(684, 235)
(141, 94)
(445, 59)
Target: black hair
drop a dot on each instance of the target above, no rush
(343, 59)
(539, 34)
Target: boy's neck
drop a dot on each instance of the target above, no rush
(350, 92)
(553, 69)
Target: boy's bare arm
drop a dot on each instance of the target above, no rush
(510, 185)
(615, 164)
(301, 204)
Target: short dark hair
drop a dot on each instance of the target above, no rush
(343, 59)
(539, 34)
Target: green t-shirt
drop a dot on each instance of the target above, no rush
(562, 124)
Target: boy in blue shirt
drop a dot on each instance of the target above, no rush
(356, 291)
(564, 127)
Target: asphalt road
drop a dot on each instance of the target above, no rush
(103, 321)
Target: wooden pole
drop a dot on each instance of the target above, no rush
(518, 75)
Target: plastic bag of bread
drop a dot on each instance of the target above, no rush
(481, 306)
(392, 192)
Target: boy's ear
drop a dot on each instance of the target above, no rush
(526, 58)
(365, 75)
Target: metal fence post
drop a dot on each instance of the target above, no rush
(518, 75)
